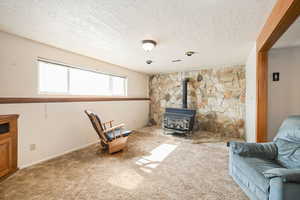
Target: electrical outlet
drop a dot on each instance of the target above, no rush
(32, 147)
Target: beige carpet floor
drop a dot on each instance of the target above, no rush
(153, 166)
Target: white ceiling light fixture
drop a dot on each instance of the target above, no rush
(190, 53)
(148, 45)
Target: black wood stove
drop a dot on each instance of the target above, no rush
(180, 120)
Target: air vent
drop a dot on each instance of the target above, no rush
(177, 60)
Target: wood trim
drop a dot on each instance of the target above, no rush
(9, 145)
(283, 15)
(12, 116)
(8, 175)
(9, 100)
(262, 96)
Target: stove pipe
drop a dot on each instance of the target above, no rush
(184, 92)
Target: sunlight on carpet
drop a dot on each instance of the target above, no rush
(156, 156)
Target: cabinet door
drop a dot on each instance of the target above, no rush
(5, 156)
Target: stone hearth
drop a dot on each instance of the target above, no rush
(217, 94)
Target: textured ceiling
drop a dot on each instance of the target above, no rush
(221, 31)
(291, 38)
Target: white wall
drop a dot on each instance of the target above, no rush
(251, 96)
(56, 128)
(18, 61)
(284, 95)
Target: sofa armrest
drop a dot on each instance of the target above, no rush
(287, 175)
(259, 150)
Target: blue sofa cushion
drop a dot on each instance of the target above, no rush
(253, 168)
(288, 154)
(288, 143)
(290, 129)
(287, 175)
(259, 150)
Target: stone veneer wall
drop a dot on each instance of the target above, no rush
(219, 98)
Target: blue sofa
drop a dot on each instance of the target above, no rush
(269, 171)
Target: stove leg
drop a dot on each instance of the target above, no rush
(167, 133)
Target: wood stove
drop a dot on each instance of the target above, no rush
(180, 120)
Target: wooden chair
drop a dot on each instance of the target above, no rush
(113, 138)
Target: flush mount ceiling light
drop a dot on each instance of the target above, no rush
(149, 62)
(148, 45)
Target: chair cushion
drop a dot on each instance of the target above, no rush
(253, 168)
(117, 132)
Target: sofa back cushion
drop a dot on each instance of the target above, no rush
(288, 143)
(288, 154)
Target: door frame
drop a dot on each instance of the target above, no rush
(283, 15)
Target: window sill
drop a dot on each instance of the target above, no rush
(13, 100)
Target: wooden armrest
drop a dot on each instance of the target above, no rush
(113, 128)
(109, 122)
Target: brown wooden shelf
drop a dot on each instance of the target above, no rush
(8, 100)
(8, 145)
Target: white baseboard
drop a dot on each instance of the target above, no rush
(57, 155)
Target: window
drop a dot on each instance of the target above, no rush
(60, 79)
(53, 78)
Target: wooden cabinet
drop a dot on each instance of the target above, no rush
(8, 144)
